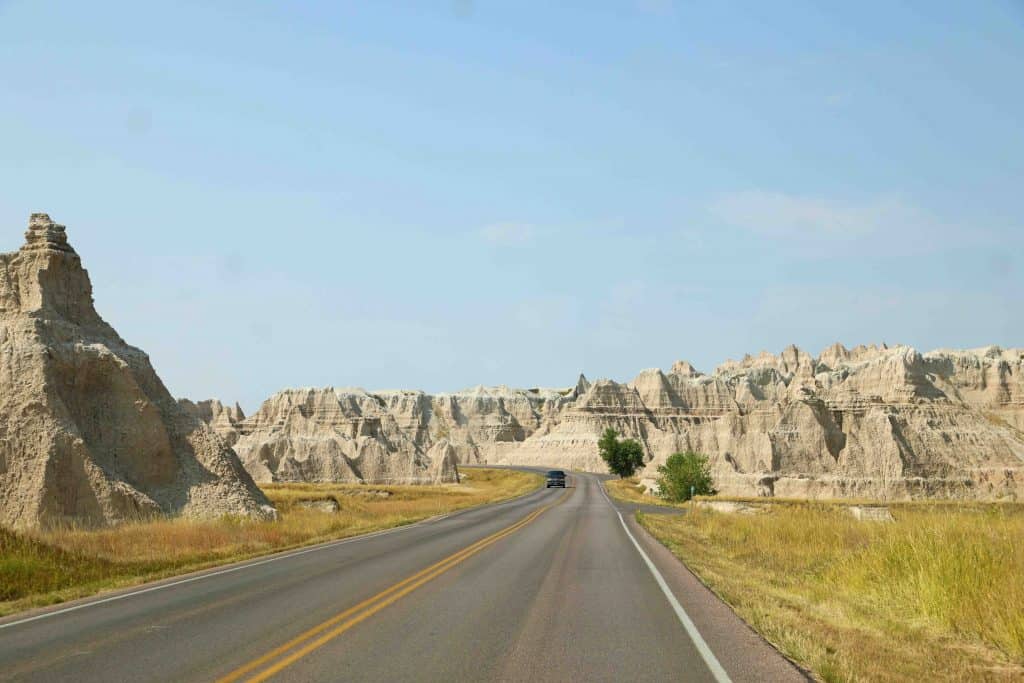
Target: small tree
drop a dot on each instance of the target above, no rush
(631, 457)
(622, 457)
(684, 475)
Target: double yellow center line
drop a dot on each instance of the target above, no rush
(295, 649)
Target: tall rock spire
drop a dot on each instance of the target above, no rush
(91, 435)
(43, 233)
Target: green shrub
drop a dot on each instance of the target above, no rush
(623, 457)
(685, 475)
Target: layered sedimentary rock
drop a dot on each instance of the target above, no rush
(337, 435)
(387, 436)
(567, 437)
(873, 422)
(223, 419)
(88, 433)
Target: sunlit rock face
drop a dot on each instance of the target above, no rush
(88, 433)
(386, 436)
(390, 436)
(871, 422)
(868, 422)
(223, 419)
(345, 435)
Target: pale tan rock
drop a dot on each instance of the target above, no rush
(88, 433)
(730, 507)
(223, 419)
(871, 513)
(397, 436)
(444, 462)
(338, 435)
(990, 378)
(869, 422)
(682, 368)
(873, 422)
(484, 421)
(568, 438)
(329, 506)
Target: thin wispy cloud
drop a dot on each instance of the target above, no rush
(786, 215)
(507, 234)
(819, 224)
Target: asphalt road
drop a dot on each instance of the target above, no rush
(549, 587)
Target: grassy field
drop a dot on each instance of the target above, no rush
(49, 567)
(938, 595)
(631, 491)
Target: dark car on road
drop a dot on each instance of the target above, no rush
(556, 478)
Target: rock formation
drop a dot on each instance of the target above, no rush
(223, 419)
(88, 433)
(320, 435)
(386, 436)
(871, 422)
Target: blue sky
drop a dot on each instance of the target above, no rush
(439, 194)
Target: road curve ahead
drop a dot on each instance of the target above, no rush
(555, 586)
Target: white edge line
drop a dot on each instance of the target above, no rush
(247, 565)
(702, 647)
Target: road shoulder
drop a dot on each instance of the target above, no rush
(744, 654)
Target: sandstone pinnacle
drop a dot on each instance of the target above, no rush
(90, 434)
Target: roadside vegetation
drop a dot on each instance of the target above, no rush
(936, 595)
(623, 457)
(683, 476)
(48, 567)
(630, 491)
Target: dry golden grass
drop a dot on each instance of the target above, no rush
(936, 596)
(632, 491)
(58, 565)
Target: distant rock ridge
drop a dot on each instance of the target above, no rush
(88, 433)
(884, 422)
(396, 436)
(873, 421)
(223, 419)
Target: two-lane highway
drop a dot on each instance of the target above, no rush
(549, 587)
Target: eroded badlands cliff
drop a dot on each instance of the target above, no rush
(873, 422)
(88, 433)
(331, 435)
(223, 419)
(386, 437)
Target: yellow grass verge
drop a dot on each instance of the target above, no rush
(938, 595)
(632, 491)
(54, 566)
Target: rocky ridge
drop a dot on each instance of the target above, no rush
(387, 436)
(869, 422)
(319, 435)
(88, 433)
(223, 419)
